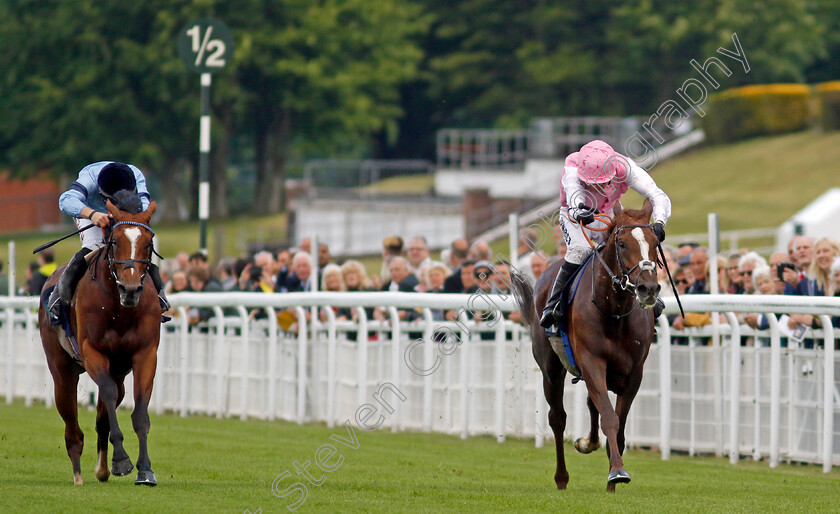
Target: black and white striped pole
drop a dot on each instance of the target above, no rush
(204, 162)
(205, 45)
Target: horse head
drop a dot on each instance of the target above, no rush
(635, 249)
(129, 251)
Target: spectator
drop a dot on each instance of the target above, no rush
(723, 276)
(199, 260)
(697, 260)
(401, 278)
(199, 278)
(818, 281)
(179, 283)
(437, 272)
(684, 252)
(764, 283)
(281, 267)
(501, 278)
(392, 246)
(480, 251)
(183, 260)
(46, 267)
(529, 245)
(538, 266)
(225, 271)
(747, 264)
(789, 278)
(733, 273)
(483, 272)
(683, 278)
(459, 250)
(662, 274)
(418, 255)
(355, 276)
(801, 252)
(334, 282)
(299, 278)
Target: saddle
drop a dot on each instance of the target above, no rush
(560, 340)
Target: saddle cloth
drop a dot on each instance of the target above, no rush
(560, 340)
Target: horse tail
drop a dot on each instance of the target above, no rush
(524, 294)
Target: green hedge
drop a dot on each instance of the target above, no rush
(828, 95)
(757, 110)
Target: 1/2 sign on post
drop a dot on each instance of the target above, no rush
(205, 45)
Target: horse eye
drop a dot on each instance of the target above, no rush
(620, 244)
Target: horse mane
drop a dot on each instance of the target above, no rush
(127, 201)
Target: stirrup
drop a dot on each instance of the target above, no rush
(54, 308)
(164, 303)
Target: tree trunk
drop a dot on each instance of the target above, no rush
(174, 202)
(269, 192)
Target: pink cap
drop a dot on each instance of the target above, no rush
(593, 167)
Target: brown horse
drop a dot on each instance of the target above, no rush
(116, 321)
(611, 327)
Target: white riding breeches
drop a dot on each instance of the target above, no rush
(92, 238)
(577, 247)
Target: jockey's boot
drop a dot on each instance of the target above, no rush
(659, 307)
(154, 274)
(66, 285)
(554, 308)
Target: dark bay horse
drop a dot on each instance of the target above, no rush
(116, 321)
(611, 327)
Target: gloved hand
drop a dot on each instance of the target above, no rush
(659, 230)
(584, 214)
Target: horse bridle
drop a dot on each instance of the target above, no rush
(623, 282)
(129, 263)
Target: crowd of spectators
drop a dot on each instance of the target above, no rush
(809, 268)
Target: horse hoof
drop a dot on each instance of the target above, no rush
(102, 474)
(121, 468)
(146, 478)
(584, 445)
(77, 479)
(619, 476)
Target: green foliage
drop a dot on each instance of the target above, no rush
(750, 111)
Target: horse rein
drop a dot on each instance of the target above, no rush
(623, 283)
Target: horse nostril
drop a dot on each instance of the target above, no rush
(658, 288)
(642, 289)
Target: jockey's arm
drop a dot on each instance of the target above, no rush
(640, 181)
(575, 193)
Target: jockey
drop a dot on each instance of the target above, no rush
(85, 201)
(593, 180)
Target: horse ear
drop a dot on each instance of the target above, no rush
(618, 210)
(113, 210)
(150, 211)
(647, 208)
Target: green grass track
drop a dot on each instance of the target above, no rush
(209, 465)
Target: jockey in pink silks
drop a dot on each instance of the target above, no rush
(593, 180)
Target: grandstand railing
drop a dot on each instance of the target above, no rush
(470, 377)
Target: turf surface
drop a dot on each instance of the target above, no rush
(209, 465)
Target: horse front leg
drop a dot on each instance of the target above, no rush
(557, 421)
(103, 430)
(622, 406)
(594, 373)
(110, 396)
(143, 366)
(592, 442)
